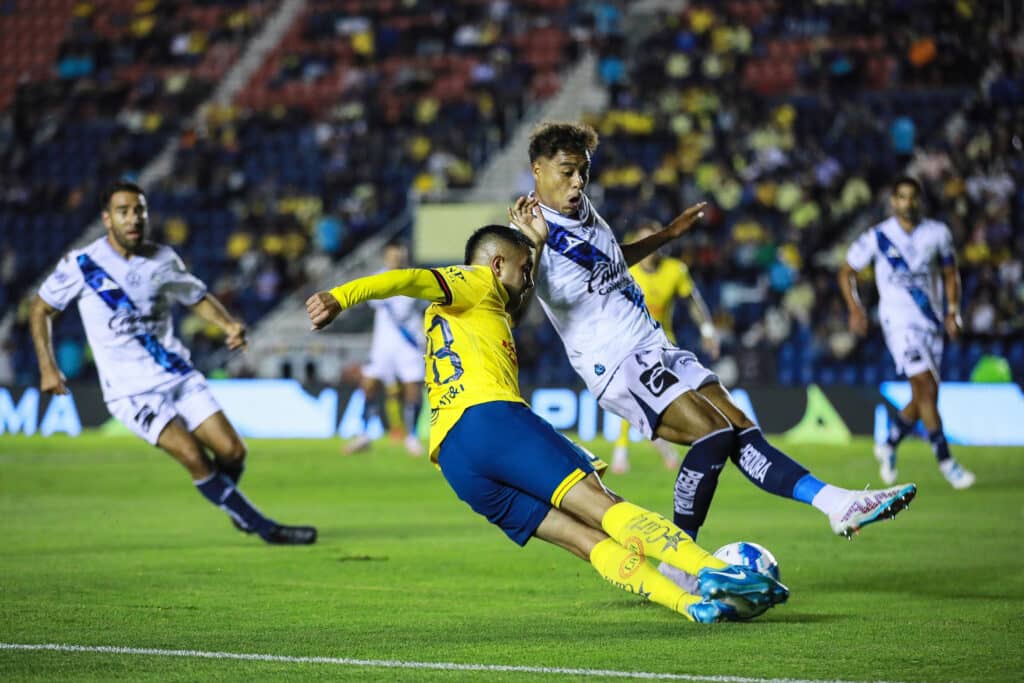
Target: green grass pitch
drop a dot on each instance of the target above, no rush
(105, 543)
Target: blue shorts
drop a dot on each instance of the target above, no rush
(510, 465)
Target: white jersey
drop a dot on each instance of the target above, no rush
(125, 306)
(908, 282)
(588, 294)
(398, 324)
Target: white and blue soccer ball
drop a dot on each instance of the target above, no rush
(756, 558)
(750, 555)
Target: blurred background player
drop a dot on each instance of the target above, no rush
(908, 252)
(125, 287)
(664, 280)
(506, 462)
(396, 355)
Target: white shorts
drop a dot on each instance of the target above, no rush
(402, 363)
(647, 381)
(147, 414)
(915, 350)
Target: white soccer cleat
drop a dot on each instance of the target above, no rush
(620, 460)
(956, 475)
(669, 456)
(413, 446)
(683, 579)
(356, 445)
(861, 508)
(886, 457)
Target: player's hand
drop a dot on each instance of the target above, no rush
(710, 346)
(322, 308)
(53, 382)
(858, 321)
(953, 324)
(236, 336)
(526, 215)
(686, 220)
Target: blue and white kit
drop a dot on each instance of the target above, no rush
(597, 308)
(910, 305)
(146, 373)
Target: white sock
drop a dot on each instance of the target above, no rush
(829, 498)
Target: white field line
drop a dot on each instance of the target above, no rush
(398, 664)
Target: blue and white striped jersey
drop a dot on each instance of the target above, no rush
(125, 306)
(590, 297)
(907, 270)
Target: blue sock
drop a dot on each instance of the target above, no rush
(232, 469)
(939, 445)
(807, 488)
(698, 478)
(898, 430)
(219, 490)
(766, 466)
(410, 415)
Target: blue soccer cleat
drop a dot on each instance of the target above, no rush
(760, 590)
(711, 612)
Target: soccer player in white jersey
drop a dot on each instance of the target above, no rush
(622, 353)
(908, 252)
(396, 355)
(125, 287)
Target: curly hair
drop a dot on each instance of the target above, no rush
(551, 137)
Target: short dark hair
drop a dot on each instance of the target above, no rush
(551, 137)
(499, 233)
(907, 180)
(119, 186)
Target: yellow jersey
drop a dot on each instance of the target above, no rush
(471, 355)
(661, 287)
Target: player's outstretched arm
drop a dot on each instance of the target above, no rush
(210, 309)
(951, 282)
(419, 283)
(51, 379)
(848, 286)
(635, 252)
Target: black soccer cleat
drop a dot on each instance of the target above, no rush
(282, 534)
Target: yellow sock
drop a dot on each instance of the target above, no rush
(623, 438)
(648, 533)
(634, 574)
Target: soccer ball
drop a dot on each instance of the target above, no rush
(751, 556)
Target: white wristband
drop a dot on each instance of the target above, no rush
(707, 330)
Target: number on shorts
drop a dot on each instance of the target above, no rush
(443, 352)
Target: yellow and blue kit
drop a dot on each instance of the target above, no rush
(507, 463)
(670, 280)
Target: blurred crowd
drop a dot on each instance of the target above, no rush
(794, 170)
(790, 117)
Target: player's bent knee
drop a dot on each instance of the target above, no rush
(690, 417)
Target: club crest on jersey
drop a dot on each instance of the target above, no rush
(598, 369)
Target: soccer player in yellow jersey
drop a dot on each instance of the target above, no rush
(511, 466)
(664, 280)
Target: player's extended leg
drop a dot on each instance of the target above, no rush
(620, 451)
(646, 534)
(412, 404)
(772, 470)
(925, 392)
(217, 488)
(623, 568)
